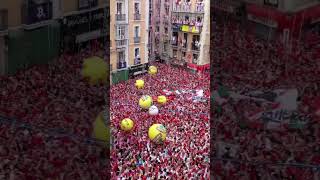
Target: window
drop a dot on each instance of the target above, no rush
(137, 8)
(121, 32)
(174, 53)
(271, 2)
(165, 47)
(136, 52)
(137, 56)
(3, 19)
(166, 30)
(119, 8)
(195, 42)
(195, 59)
(84, 4)
(121, 56)
(136, 31)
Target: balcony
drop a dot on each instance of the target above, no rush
(166, 37)
(182, 8)
(200, 7)
(120, 17)
(195, 48)
(121, 42)
(174, 44)
(137, 17)
(136, 39)
(121, 64)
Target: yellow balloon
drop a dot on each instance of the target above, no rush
(126, 124)
(157, 133)
(152, 70)
(100, 129)
(95, 70)
(162, 99)
(139, 83)
(145, 102)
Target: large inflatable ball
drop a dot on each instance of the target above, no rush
(152, 70)
(145, 102)
(153, 110)
(162, 99)
(100, 129)
(139, 84)
(95, 70)
(126, 124)
(157, 133)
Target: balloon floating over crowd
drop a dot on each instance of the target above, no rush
(157, 132)
(126, 124)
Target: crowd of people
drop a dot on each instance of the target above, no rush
(244, 63)
(185, 152)
(47, 112)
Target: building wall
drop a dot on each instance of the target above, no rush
(130, 23)
(142, 31)
(204, 57)
(14, 11)
(183, 54)
(113, 33)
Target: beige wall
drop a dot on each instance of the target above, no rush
(131, 24)
(14, 11)
(143, 33)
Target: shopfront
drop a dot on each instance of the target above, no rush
(80, 29)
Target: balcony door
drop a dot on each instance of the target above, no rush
(119, 8)
(121, 32)
(136, 31)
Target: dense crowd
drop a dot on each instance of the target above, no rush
(185, 153)
(51, 110)
(248, 63)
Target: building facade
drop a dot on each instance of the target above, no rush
(38, 29)
(129, 24)
(161, 29)
(190, 36)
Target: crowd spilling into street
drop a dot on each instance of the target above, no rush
(185, 153)
(48, 111)
(244, 63)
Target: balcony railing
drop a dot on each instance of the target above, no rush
(195, 48)
(121, 64)
(136, 39)
(121, 42)
(137, 61)
(200, 7)
(182, 8)
(120, 17)
(137, 16)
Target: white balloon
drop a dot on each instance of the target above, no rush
(153, 110)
